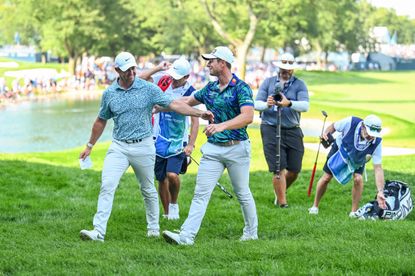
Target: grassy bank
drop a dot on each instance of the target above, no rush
(46, 200)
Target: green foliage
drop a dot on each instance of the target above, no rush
(71, 28)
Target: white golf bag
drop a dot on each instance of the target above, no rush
(398, 203)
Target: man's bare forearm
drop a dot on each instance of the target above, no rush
(194, 129)
(379, 177)
(97, 129)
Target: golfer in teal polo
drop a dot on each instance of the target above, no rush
(228, 146)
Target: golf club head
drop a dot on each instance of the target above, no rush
(324, 113)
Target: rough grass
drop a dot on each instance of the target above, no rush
(46, 200)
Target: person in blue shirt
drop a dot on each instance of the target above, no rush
(359, 141)
(129, 101)
(294, 101)
(171, 132)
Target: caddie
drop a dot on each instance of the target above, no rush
(358, 140)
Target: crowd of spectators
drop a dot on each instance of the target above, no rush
(92, 74)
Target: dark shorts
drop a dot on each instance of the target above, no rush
(164, 165)
(292, 148)
(333, 150)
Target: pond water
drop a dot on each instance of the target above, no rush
(63, 123)
(49, 124)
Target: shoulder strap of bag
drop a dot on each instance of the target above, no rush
(189, 91)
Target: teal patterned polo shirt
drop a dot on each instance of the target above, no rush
(131, 108)
(226, 105)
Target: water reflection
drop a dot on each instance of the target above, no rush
(49, 125)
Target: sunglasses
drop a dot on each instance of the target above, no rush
(375, 128)
(287, 61)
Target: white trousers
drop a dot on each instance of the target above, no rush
(215, 159)
(120, 155)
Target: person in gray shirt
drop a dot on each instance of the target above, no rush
(293, 100)
(129, 101)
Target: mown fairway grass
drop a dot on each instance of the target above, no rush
(45, 200)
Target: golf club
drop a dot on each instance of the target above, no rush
(278, 135)
(310, 186)
(217, 183)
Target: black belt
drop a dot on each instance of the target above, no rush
(132, 141)
(226, 144)
(288, 128)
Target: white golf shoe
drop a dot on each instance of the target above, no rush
(92, 235)
(153, 233)
(246, 237)
(175, 238)
(313, 210)
(173, 212)
(354, 215)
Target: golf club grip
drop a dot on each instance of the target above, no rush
(224, 190)
(310, 186)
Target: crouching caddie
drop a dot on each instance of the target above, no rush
(358, 139)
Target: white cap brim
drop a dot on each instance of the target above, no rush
(171, 72)
(128, 65)
(208, 56)
(373, 133)
(286, 66)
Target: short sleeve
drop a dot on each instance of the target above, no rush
(262, 94)
(104, 110)
(159, 97)
(245, 96)
(200, 94)
(302, 94)
(343, 125)
(377, 155)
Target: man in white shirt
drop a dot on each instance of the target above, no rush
(171, 131)
(358, 140)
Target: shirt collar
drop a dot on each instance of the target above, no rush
(289, 81)
(234, 80)
(117, 85)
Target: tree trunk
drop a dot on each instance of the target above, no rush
(241, 54)
(72, 65)
(240, 46)
(263, 50)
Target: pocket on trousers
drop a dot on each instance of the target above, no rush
(247, 147)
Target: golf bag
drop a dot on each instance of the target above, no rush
(398, 203)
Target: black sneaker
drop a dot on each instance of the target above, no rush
(283, 205)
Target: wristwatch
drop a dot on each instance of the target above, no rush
(290, 104)
(89, 145)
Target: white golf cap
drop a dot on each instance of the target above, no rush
(373, 125)
(125, 60)
(221, 52)
(286, 61)
(180, 68)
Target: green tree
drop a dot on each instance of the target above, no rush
(69, 27)
(127, 27)
(182, 27)
(236, 22)
(16, 16)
